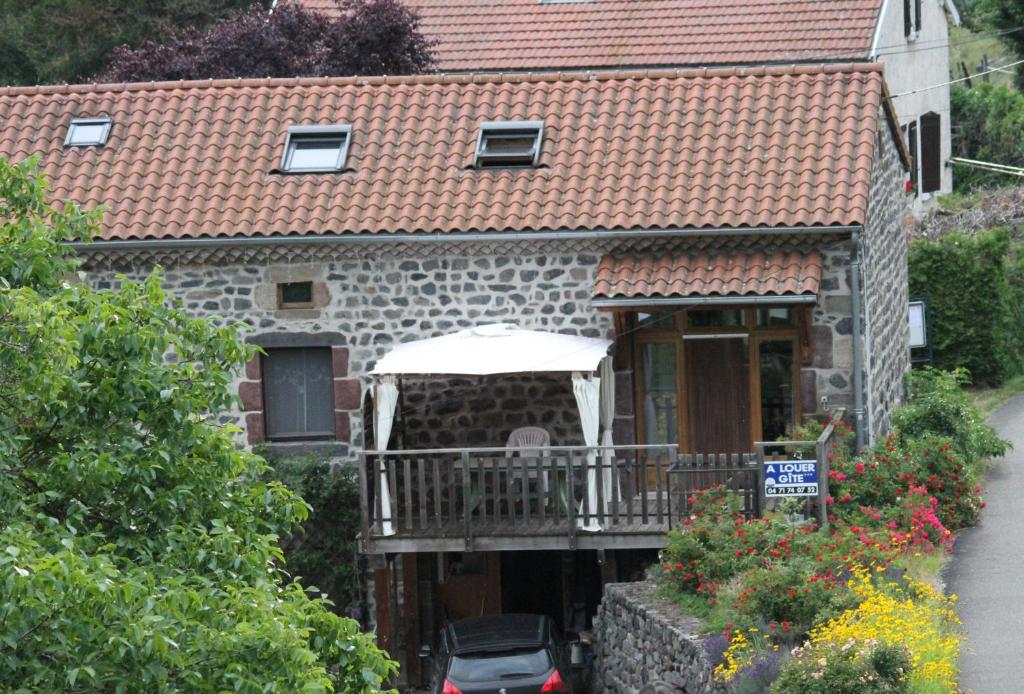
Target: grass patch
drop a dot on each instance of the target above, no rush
(988, 400)
(971, 48)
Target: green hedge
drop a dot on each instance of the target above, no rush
(974, 286)
(323, 551)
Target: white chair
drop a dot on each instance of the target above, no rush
(529, 442)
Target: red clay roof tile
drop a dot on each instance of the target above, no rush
(534, 35)
(716, 273)
(724, 148)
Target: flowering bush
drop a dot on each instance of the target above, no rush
(850, 668)
(907, 614)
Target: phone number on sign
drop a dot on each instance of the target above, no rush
(788, 491)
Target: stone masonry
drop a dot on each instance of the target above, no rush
(366, 301)
(885, 282)
(642, 639)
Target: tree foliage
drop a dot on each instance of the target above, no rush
(366, 37)
(1006, 17)
(988, 122)
(138, 545)
(48, 41)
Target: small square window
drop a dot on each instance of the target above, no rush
(659, 320)
(295, 295)
(87, 132)
(316, 148)
(509, 143)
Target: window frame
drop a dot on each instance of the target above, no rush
(282, 304)
(295, 436)
(676, 332)
(105, 121)
(316, 133)
(523, 128)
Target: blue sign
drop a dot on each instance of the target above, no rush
(790, 478)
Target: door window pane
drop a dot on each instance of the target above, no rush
(298, 387)
(659, 320)
(723, 318)
(659, 400)
(778, 410)
(767, 317)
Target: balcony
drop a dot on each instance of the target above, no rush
(565, 498)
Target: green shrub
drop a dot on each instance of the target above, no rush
(832, 669)
(971, 305)
(937, 405)
(323, 550)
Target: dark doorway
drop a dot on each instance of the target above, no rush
(718, 394)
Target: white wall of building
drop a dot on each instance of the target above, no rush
(913, 63)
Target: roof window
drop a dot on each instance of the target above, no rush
(87, 132)
(316, 148)
(509, 143)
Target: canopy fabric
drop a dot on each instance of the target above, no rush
(497, 348)
(588, 394)
(385, 401)
(607, 422)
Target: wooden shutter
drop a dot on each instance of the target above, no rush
(931, 152)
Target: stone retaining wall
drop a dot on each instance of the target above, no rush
(643, 639)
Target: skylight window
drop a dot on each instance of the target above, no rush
(509, 143)
(87, 132)
(316, 148)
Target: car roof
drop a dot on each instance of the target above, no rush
(485, 633)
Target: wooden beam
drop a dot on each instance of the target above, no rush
(411, 619)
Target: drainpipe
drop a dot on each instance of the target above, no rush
(858, 358)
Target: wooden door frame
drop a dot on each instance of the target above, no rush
(676, 333)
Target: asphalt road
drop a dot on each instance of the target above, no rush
(987, 572)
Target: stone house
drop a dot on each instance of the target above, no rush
(724, 228)
(909, 37)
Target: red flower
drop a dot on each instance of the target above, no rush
(860, 468)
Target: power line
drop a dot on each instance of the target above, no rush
(961, 79)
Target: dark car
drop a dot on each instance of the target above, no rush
(503, 654)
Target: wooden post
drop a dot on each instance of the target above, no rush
(382, 599)
(364, 502)
(411, 618)
(466, 490)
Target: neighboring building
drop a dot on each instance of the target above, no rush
(910, 37)
(711, 222)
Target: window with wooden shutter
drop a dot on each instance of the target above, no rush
(298, 391)
(931, 152)
(908, 19)
(917, 16)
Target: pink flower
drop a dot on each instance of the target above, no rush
(860, 468)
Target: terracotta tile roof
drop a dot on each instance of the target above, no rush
(750, 147)
(533, 35)
(714, 273)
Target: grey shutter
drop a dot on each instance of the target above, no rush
(298, 387)
(931, 152)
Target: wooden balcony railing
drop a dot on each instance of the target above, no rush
(492, 498)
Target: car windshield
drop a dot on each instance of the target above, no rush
(502, 665)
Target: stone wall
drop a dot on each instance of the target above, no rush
(642, 639)
(366, 300)
(885, 282)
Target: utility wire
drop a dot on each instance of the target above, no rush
(961, 79)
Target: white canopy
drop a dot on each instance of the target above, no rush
(498, 348)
